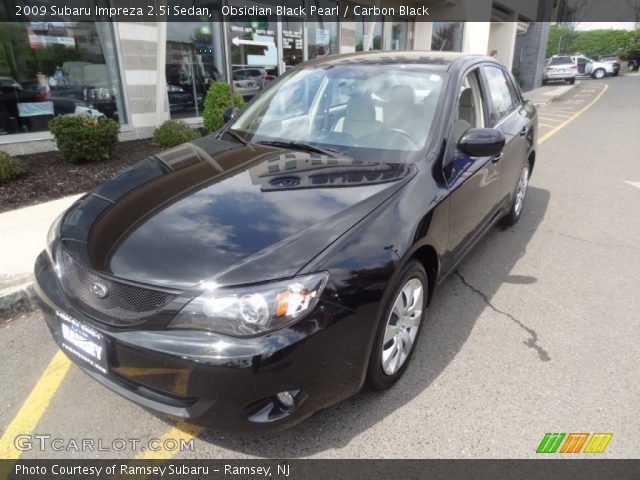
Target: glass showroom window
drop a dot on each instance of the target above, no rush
(195, 59)
(369, 33)
(447, 36)
(322, 31)
(56, 68)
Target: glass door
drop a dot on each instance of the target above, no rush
(253, 51)
(293, 44)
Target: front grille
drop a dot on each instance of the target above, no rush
(123, 304)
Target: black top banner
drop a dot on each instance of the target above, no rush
(319, 10)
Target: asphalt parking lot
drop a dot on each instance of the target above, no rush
(536, 332)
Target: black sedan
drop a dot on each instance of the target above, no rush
(254, 276)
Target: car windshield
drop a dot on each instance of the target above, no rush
(560, 61)
(347, 108)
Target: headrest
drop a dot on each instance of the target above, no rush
(361, 108)
(402, 94)
(466, 98)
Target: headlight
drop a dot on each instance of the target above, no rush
(244, 311)
(52, 236)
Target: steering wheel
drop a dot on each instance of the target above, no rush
(379, 135)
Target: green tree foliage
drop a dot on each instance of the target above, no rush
(172, 133)
(591, 43)
(10, 167)
(81, 138)
(217, 101)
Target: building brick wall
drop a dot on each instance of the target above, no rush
(529, 54)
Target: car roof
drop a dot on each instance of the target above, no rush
(435, 59)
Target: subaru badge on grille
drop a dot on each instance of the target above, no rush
(99, 290)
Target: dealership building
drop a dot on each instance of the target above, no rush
(142, 74)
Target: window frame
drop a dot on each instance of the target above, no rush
(489, 105)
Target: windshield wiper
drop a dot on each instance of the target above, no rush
(330, 152)
(236, 136)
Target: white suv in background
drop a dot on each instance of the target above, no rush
(559, 67)
(589, 66)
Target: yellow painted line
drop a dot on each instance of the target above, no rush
(551, 133)
(35, 405)
(183, 431)
(545, 125)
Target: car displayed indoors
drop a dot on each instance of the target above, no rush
(559, 67)
(259, 274)
(29, 109)
(593, 68)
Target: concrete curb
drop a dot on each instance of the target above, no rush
(17, 299)
(571, 89)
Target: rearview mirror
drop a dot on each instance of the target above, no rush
(229, 113)
(482, 142)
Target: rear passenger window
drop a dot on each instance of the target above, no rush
(503, 98)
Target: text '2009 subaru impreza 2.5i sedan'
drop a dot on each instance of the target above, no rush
(250, 278)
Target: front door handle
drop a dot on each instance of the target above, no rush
(497, 158)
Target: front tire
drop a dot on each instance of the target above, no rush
(599, 74)
(399, 328)
(517, 206)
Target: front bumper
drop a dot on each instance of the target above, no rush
(223, 381)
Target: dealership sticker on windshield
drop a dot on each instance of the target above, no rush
(83, 342)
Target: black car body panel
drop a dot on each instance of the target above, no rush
(218, 210)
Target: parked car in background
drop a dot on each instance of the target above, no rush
(259, 75)
(612, 59)
(593, 68)
(179, 99)
(633, 60)
(246, 83)
(559, 67)
(29, 109)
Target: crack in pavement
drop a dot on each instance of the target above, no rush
(592, 242)
(532, 342)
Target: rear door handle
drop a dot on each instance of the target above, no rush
(497, 158)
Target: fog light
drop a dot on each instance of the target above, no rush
(287, 399)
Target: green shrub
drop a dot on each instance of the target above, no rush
(81, 138)
(172, 133)
(10, 167)
(217, 101)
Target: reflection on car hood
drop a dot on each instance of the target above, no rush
(212, 210)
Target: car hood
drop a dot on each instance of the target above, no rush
(216, 211)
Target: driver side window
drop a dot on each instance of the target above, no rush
(468, 113)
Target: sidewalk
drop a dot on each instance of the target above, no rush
(24, 235)
(549, 93)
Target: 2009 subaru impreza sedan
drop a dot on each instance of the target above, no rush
(254, 276)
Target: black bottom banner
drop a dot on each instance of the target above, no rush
(318, 469)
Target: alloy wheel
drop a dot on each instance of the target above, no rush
(402, 326)
(521, 193)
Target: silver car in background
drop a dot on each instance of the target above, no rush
(593, 68)
(251, 81)
(559, 67)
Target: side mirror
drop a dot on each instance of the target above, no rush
(482, 142)
(229, 113)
